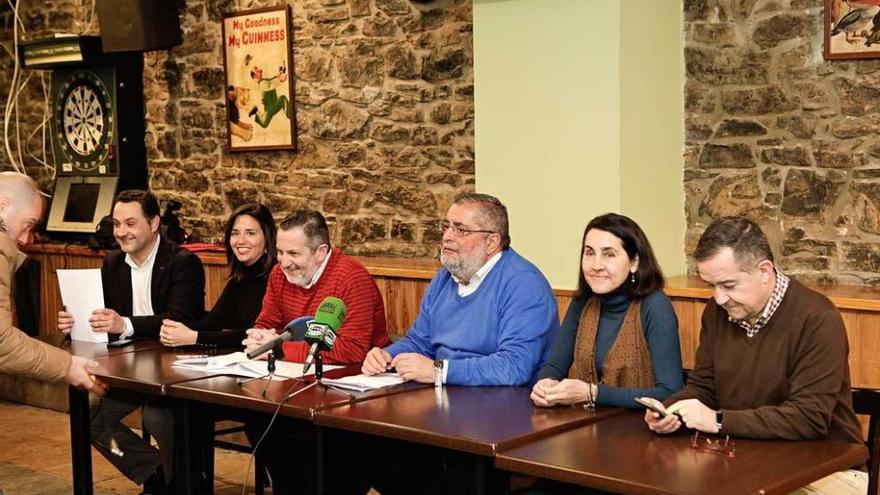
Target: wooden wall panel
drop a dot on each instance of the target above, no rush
(684, 310)
(563, 300)
(402, 298)
(868, 349)
(215, 280)
(852, 321)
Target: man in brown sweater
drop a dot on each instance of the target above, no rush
(772, 360)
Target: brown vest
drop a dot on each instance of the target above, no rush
(627, 364)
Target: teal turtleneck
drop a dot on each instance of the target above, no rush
(661, 332)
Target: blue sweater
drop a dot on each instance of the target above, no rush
(499, 335)
(661, 331)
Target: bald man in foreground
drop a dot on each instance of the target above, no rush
(20, 210)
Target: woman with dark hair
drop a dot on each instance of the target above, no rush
(619, 338)
(250, 252)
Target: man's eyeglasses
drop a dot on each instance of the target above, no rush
(459, 230)
(715, 445)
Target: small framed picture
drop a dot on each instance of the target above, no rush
(258, 60)
(852, 29)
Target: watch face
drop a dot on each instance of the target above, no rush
(84, 121)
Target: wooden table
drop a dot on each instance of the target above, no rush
(144, 366)
(621, 455)
(80, 432)
(93, 350)
(226, 391)
(225, 397)
(462, 426)
(477, 420)
(149, 370)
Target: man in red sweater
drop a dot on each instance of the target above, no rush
(772, 361)
(308, 271)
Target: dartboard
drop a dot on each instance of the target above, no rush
(84, 121)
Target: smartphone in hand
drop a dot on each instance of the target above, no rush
(654, 406)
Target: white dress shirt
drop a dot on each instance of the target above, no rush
(141, 285)
(473, 284)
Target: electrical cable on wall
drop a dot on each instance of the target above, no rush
(16, 153)
(47, 116)
(10, 102)
(91, 20)
(14, 88)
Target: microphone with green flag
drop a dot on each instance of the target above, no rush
(321, 333)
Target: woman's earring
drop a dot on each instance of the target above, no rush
(632, 277)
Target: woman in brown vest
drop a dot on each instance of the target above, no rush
(619, 338)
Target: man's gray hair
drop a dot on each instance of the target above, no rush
(492, 211)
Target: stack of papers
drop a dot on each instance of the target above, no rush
(238, 364)
(363, 383)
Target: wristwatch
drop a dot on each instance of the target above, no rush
(438, 372)
(719, 419)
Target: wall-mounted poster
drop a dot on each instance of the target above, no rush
(259, 79)
(852, 29)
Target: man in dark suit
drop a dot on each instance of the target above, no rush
(147, 280)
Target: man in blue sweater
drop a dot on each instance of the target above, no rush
(488, 317)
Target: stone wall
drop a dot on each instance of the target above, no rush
(384, 108)
(776, 133)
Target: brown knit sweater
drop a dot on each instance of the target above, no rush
(20, 354)
(790, 381)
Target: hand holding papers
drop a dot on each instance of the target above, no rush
(82, 293)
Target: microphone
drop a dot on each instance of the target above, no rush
(321, 333)
(295, 330)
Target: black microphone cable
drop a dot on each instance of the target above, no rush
(287, 396)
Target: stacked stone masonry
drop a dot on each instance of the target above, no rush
(384, 101)
(775, 132)
(384, 107)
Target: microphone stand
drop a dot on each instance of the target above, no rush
(276, 353)
(319, 377)
(319, 366)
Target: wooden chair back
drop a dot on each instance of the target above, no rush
(867, 401)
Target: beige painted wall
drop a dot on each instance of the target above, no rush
(652, 126)
(550, 77)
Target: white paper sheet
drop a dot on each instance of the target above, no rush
(82, 293)
(237, 364)
(362, 383)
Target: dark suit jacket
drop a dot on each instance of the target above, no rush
(177, 288)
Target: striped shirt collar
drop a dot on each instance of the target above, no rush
(769, 309)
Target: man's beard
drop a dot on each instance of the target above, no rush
(299, 278)
(463, 267)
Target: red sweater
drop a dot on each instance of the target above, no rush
(346, 278)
